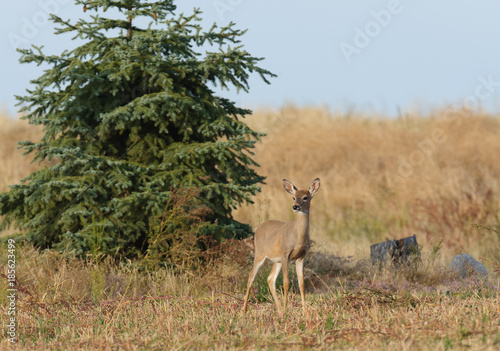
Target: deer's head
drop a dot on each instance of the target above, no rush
(301, 198)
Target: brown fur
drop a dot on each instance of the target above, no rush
(284, 242)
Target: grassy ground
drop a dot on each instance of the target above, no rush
(432, 176)
(69, 303)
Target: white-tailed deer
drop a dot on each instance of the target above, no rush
(284, 242)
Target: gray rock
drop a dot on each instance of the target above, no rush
(398, 252)
(466, 265)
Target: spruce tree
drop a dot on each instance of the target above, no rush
(131, 116)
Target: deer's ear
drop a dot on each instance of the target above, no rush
(289, 187)
(314, 187)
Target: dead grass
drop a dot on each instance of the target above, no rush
(362, 319)
(14, 166)
(67, 303)
(433, 176)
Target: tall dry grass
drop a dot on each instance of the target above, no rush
(382, 178)
(368, 193)
(13, 166)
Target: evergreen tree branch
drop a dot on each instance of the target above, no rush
(151, 88)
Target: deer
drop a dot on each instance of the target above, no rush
(284, 242)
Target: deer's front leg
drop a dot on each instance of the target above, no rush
(286, 280)
(300, 275)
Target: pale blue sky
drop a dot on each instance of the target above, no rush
(365, 55)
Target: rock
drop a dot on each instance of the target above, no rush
(401, 251)
(466, 265)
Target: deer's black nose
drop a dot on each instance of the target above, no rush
(296, 208)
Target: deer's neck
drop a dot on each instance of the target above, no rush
(302, 225)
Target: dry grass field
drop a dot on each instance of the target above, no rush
(384, 178)
(433, 176)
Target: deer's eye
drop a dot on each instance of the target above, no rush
(304, 198)
(294, 198)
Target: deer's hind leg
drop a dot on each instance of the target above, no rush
(251, 277)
